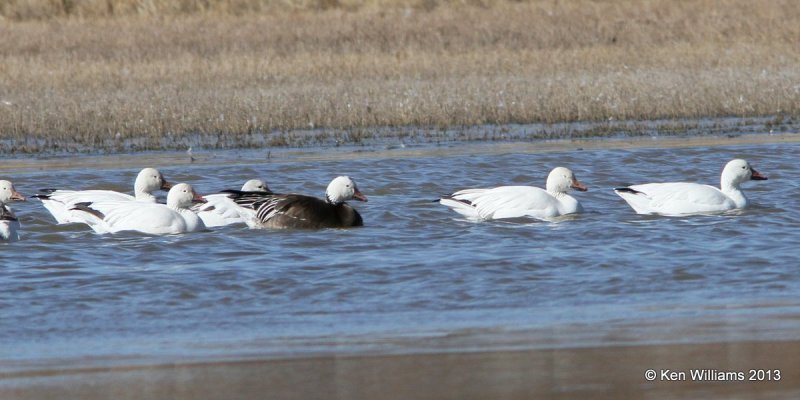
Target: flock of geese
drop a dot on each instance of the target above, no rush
(107, 211)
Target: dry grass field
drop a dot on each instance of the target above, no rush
(146, 74)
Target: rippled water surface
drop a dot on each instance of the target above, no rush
(417, 277)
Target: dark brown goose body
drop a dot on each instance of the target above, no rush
(304, 212)
(296, 211)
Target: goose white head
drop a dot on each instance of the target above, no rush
(8, 193)
(342, 189)
(148, 181)
(255, 185)
(737, 172)
(182, 196)
(561, 180)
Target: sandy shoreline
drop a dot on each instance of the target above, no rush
(594, 372)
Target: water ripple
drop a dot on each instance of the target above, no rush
(416, 266)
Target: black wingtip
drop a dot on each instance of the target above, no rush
(85, 208)
(44, 194)
(626, 190)
(443, 197)
(450, 197)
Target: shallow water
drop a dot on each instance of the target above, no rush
(417, 277)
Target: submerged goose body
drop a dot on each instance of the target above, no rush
(684, 198)
(221, 210)
(9, 224)
(60, 202)
(150, 218)
(295, 211)
(519, 201)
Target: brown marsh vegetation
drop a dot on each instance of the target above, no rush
(147, 74)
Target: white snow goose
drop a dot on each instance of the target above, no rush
(150, 218)
(220, 209)
(683, 198)
(9, 224)
(59, 201)
(519, 201)
(296, 211)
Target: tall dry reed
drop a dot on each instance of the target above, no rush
(150, 79)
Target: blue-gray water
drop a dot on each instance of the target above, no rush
(417, 277)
